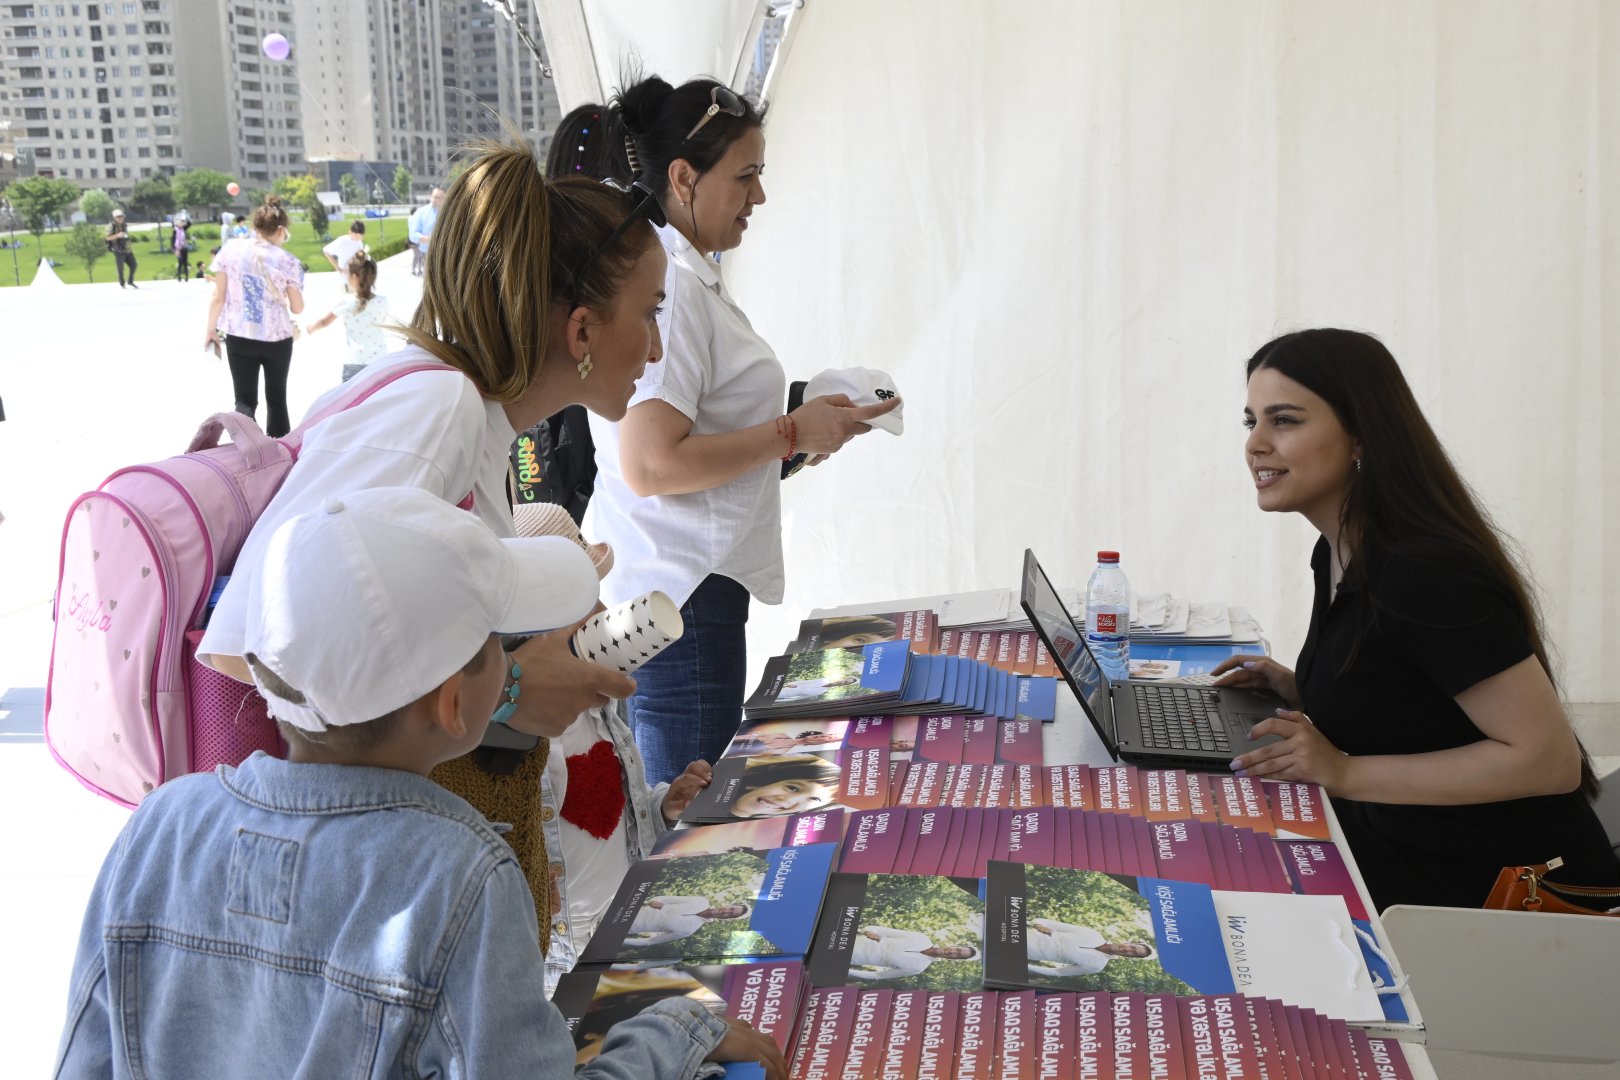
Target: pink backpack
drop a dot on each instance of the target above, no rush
(127, 705)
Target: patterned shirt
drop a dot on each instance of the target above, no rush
(364, 328)
(258, 275)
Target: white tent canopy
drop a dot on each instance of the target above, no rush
(1062, 227)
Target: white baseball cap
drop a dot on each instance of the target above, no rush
(370, 602)
(864, 386)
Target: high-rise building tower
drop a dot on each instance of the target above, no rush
(106, 93)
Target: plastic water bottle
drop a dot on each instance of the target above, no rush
(1108, 616)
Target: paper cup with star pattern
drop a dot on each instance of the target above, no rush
(625, 637)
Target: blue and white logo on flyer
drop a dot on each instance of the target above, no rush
(790, 895)
(883, 666)
(1185, 931)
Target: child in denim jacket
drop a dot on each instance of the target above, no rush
(338, 913)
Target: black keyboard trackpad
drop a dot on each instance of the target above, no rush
(1245, 721)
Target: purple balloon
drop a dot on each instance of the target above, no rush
(276, 46)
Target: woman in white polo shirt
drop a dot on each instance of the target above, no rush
(687, 483)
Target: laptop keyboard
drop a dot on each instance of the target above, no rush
(1174, 718)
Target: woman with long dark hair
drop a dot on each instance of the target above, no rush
(1423, 700)
(688, 487)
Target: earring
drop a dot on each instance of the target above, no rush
(1358, 464)
(584, 366)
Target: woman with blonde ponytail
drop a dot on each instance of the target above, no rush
(539, 294)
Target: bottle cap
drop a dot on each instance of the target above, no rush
(1108, 556)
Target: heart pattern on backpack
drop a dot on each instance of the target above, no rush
(112, 605)
(126, 523)
(126, 654)
(94, 555)
(145, 570)
(117, 737)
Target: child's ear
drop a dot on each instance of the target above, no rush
(447, 707)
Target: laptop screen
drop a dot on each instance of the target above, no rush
(1067, 643)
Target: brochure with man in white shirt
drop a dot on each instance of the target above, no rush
(882, 952)
(669, 918)
(1063, 949)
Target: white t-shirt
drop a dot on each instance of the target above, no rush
(595, 867)
(676, 918)
(723, 376)
(363, 327)
(343, 249)
(896, 954)
(430, 429)
(1072, 947)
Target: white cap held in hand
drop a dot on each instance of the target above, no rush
(863, 386)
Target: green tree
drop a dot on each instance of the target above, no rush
(402, 183)
(40, 199)
(456, 169)
(87, 244)
(352, 191)
(295, 190)
(152, 198)
(318, 221)
(97, 205)
(299, 191)
(203, 188)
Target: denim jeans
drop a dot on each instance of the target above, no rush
(688, 700)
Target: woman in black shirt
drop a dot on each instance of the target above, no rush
(1423, 700)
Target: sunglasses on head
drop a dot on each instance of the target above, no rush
(721, 100)
(646, 208)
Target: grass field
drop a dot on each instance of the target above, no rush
(154, 263)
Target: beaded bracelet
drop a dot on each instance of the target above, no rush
(503, 714)
(791, 434)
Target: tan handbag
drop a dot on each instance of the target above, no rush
(1526, 888)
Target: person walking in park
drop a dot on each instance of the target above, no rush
(258, 288)
(182, 246)
(118, 244)
(422, 223)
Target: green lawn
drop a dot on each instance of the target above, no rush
(154, 263)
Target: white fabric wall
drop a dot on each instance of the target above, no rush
(1063, 226)
(592, 44)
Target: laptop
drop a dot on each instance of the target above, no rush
(1142, 722)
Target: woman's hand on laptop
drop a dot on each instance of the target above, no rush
(558, 686)
(1303, 753)
(1257, 672)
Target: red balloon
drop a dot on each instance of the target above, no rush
(234, 188)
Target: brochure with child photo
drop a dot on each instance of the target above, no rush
(920, 628)
(714, 907)
(777, 786)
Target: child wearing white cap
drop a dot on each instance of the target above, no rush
(338, 913)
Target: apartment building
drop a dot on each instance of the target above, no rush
(107, 93)
(495, 83)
